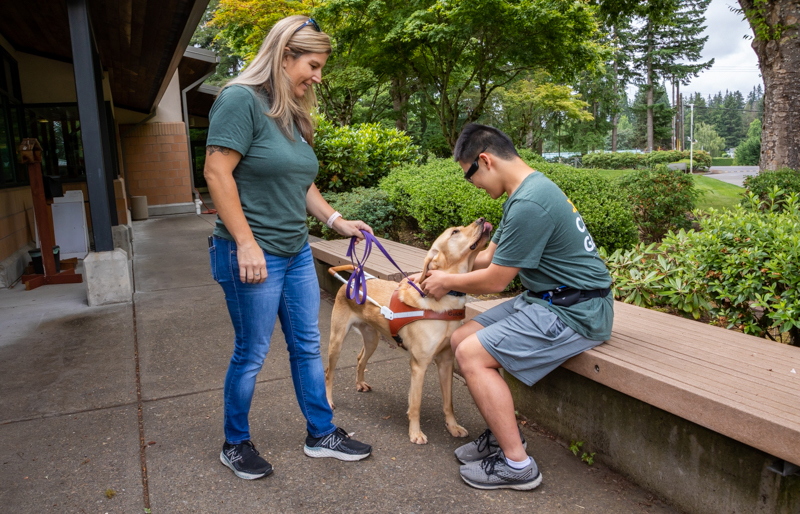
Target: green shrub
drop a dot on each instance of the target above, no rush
(371, 206)
(661, 198)
(742, 268)
(748, 153)
(773, 186)
(628, 160)
(722, 161)
(437, 196)
(530, 156)
(750, 262)
(659, 276)
(613, 160)
(359, 156)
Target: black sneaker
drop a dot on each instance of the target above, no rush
(243, 459)
(338, 445)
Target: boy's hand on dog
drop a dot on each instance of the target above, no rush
(434, 284)
(252, 264)
(350, 228)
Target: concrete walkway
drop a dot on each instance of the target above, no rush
(732, 174)
(112, 409)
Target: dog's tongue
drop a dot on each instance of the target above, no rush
(487, 227)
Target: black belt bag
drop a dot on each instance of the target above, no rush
(567, 296)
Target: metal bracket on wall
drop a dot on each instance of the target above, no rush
(784, 468)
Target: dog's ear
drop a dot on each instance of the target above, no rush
(429, 264)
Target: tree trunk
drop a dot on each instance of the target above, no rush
(779, 61)
(615, 118)
(399, 100)
(650, 101)
(529, 136)
(614, 122)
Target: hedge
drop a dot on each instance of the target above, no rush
(660, 198)
(722, 161)
(742, 269)
(359, 155)
(628, 160)
(437, 196)
(370, 205)
(773, 186)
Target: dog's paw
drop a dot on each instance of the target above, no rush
(457, 430)
(418, 438)
(363, 387)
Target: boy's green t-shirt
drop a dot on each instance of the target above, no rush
(273, 175)
(543, 234)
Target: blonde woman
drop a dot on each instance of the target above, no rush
(260, 168)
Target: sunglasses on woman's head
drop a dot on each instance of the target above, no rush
(309, 22)
(472, 169)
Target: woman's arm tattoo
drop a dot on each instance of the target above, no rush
(210, 149)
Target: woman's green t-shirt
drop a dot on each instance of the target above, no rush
(273, 175)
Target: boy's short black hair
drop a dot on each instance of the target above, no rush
(474, 138)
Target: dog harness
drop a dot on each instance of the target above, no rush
(403, 314)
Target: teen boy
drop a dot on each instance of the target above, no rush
(566, 309)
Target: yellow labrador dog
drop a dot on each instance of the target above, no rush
(426, 340)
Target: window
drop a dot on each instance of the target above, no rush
(58, 130)
(12, 127)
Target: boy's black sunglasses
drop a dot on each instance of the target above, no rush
(472, 169)
(309, 22)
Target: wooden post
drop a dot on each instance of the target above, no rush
(31, 153)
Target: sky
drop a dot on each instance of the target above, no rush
(735, 62)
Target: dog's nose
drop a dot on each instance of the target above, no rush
(480, 221)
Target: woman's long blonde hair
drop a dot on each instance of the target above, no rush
(266, 71)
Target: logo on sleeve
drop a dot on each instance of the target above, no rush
(588, 243)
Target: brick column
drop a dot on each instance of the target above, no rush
(157, 163)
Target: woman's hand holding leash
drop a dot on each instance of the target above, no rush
(350, 228)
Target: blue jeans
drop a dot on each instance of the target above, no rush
(291, 292)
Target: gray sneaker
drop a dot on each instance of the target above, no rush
(482, 447)
(493, 472)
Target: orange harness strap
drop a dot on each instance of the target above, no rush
(413, 314)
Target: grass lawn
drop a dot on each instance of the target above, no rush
(714, 193)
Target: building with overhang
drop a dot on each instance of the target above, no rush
(114, 94)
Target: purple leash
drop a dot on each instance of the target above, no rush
(357, 283)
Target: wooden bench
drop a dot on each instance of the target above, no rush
(731, 401)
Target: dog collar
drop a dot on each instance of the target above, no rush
(456, 293)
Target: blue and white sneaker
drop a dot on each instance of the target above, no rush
(338, 445)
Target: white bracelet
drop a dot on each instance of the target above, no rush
(336, 215)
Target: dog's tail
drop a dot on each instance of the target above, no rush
(336, 269)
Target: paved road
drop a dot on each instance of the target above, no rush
(732, 174)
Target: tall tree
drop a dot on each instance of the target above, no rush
(527, 108)
(207, 36)
(776, 41)
(708, 139)
(658, 113)
(668, 45)
(458, 53)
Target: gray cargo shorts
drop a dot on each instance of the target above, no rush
(528, 340)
